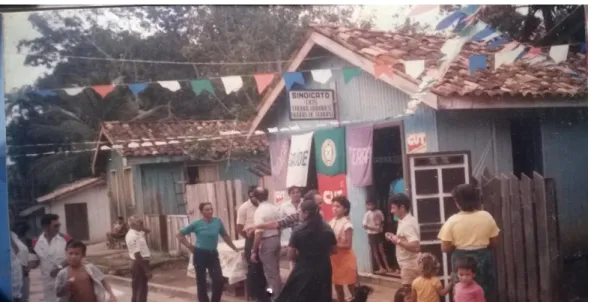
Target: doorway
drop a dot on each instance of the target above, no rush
(387, 173)
(77, 220)
(526, 145)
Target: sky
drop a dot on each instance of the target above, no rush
(17, 28)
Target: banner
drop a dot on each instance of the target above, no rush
(360, 154)
(330, 187)
(279, 151)
(416, 143)
(299, 160)
(330, 153)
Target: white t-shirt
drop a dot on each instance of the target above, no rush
(374, 219)
(409, 228)
(136, 242)
(245, 214)
(266, 212)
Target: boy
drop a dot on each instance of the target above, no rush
(467, 290)
(81, 282)
(373, 223)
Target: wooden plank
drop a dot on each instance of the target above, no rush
(231, 208)
(222, 202)
(517, 232)
(508, 240)
(496, 201)
(529, 228)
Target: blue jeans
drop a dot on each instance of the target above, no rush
(206, 260)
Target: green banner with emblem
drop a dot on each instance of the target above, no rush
(330, 152)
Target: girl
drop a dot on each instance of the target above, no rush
(427, 287)
(471, 232)
(344, 266)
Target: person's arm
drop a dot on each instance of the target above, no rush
(494, 233)
(134, 248)
(479, 295)
(447, 247)
(413, 295)
(62, 284)
(227, 238)
(258, 236)
(182, 237)
(240, 221)
(412, 246)
(494, 241)
(442, 291)
(446, 238)
(347, 243)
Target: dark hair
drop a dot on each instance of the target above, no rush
(400, 199)
(467, 263)
(75, 244)
(48, 218)
(251, 190)
(261, 194)
(290, 189)
(203, 205)
(466, 197)
(369, 201)
(343, 201)
(310, 195)
(401, 294)
(120, 218)
(21, 228)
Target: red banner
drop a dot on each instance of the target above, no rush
(330, 187)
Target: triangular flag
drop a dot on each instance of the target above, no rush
(200, 85)
(470, 31)
(498, 42)
(74, 90)
(421, 9)
(263, 80)
(534, 52)
(508, 57)
(103, 90)
(510, 46)
(483, 34)
(559, 53)
(452, 47)
(137, 88)
(476, 62)
(449, 20)
(379, 69)
(170, 85)
(414, 68)
(491, 36)
(45, 92)
(469, 9)
(232, 83)
(321, 75)
(291, 78)
(350, 72)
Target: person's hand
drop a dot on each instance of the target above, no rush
(253, 257)
(112, 298)
(249, 230)
(191, 249)
(70, 283)
(391, 237)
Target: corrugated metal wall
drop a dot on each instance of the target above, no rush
(160, 188)
(236, 169)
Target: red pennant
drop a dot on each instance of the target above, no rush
(103, 90)
(379, 69)
(263, 80)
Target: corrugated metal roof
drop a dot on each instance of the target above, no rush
(71, 187)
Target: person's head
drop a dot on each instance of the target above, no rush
(295, 193)
(261, 194)
(251, 192)
(206, 209)
(315, 196)
(136, 222)
(370, 205)
(309, 210)
(75, 251)
(50, 224)
(429, 265)
(341, 206)
(466, 197)
(399, 205)
(402, 295)
(120, 220)
(466, 268)
(21, 228)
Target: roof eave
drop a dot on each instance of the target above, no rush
(508, 102)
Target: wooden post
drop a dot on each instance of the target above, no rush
(531, 262)
(508, 240)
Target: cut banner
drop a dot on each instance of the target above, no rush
(359, 154)
(279, 151)
(330, 187)
(329, 145)
(299, 160)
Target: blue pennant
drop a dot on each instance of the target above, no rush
(476, 62)
(469, 9)
(498, 42)
(291, 78)
(483, 34)
(45, 93)
(461, 24)
(449, 20)
(137, 88)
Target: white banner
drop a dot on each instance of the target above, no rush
(299, 160)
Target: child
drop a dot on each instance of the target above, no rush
(427, 287)
(467, 290)
(81, 282)
(373, 223)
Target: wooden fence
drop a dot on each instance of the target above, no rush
(527, 256)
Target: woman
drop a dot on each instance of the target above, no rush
(310, 246)
(205, 255)
(471, 233)
(344, 266)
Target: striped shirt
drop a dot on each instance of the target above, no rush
(289, 221)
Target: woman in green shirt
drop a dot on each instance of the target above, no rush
(205, 254)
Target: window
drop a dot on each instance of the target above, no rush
(128, 195)
(202, 174)
(192, 175)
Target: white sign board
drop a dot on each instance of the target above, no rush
(416, 143)
(311, 105)
(299, 160)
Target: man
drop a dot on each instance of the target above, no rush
(406, 239)
(21, 249)
(140, 259)
(118, 232)
(290, 207)
(267, 244)
(255, 277)
(51, 250)
(16, 274)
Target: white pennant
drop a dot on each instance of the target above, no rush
(558, 53)
(321, 75)
(491, 36)
(170, 85)
(507, 57)
(414, 68)
(74, 91)
(232, 83)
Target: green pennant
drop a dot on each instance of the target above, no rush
(200, 85)
(350, 72)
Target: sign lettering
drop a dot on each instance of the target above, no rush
(298, 159)
(311, 104)
(416, 143)
(360, 156)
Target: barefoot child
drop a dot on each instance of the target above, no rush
(373, 223)
(81, 282)
(467, 290)
(427, 287)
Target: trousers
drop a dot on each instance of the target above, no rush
(139, 281)
(208, 261)
(270, 253)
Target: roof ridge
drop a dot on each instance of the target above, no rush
(167, 122)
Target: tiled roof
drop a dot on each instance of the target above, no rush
(517, 79)
(205, 140)
(71, 187)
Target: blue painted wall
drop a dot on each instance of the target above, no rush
(5, 280)
(423, 120)
(160, 186)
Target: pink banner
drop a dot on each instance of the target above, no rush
(279, 151)
(359, 155)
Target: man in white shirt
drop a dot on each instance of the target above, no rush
(135, 239)
(290, 207)
(22, 253)
(51, 250)
(16, 273)
(267, 243)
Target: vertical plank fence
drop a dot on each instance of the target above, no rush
(527, 256)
